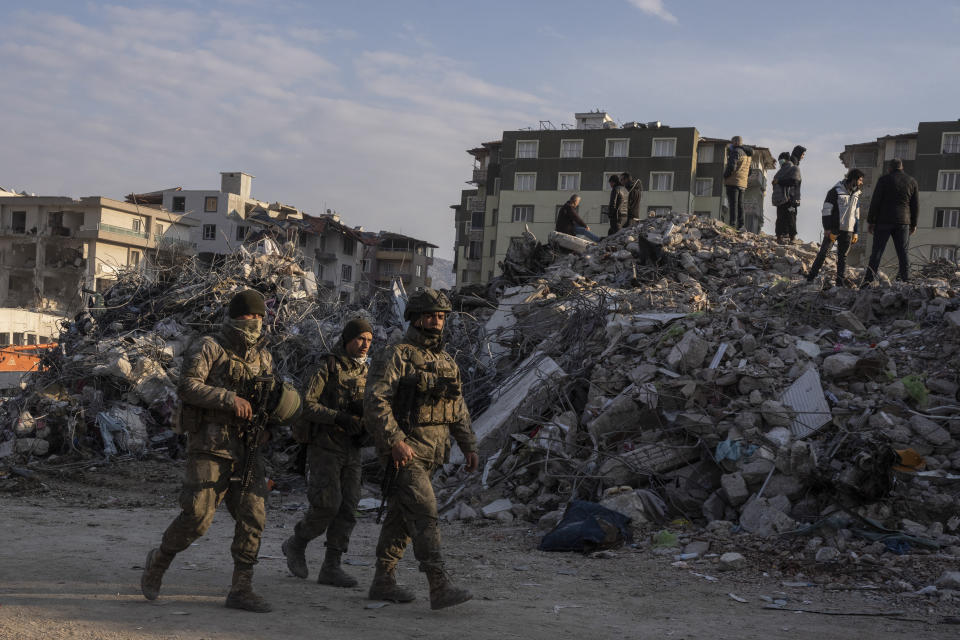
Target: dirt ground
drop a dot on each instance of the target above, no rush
(72, 547)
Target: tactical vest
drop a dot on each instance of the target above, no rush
(429, 395)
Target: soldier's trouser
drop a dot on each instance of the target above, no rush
(333, 493)
(206, 483)
(411, 514)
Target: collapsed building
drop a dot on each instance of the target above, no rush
(677, 371)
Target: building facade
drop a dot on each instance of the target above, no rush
(523, 179)
(334, 252)
(396, 256)
(931, 154)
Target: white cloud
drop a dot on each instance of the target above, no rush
(655, 8)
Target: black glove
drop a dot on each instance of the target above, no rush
(348, 422)
(356, 407)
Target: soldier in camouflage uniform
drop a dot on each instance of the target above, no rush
(412, 405)
(214, 416)
(330, 426)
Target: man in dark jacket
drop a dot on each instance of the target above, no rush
(893, 213)
(569, 222)
(735, 176)
(841, 217)
(788, 179)
(634, 190)
(617, 211)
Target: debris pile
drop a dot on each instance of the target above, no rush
(682, 369)
(110, 386)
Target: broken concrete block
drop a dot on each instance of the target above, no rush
(827, 554)
(775, 414)
(735, 488)
(953, 319)
(31, 446)
(846, 320)
(761, 517)
(550, 520)
(495, 507)
(731, 561)
(929, 431)
(810, 349)
(748, 344)
(699, 547)
(644, 461)
(949, 580)
(25, 425)
(756, 471)
(617, 418)
(689, 352)
(839, 365)
(696, 423)
(783, 485)
(571, 243)
(504, 517)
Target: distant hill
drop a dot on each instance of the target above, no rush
(441, 272)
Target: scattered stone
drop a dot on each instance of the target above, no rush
(731, 561)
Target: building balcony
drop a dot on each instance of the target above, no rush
(479, 176)
(109, 232)
(479, 204)
(395, 256)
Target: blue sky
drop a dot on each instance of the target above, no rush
(368, 107)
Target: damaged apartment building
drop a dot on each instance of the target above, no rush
(931, 154)
(51, 248)
(522, 180)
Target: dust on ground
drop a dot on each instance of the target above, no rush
(72, 546)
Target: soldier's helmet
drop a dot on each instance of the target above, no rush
(287, 404)
(427, 300)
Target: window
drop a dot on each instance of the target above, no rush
(419, 270)
(5, 338)
(617, 147)
(606, 179)
(705, 153)
(209, 232)
(525, 182)
(136, 225)
(658, 211)
(475, 250)
(179, 203)
(571, 148)
(19, 221)
(346, 273)
(865, 158)
(946, 218)
(661, 181)
(365, 265)
(210, 204)
(476, 220)
(349, 246)
(943, 252)
(493, 248)
(522, 213)
(568, 182)
(951, 143)
(496, 186)
(527, 148)
(703, 187)
(134, 258)
(949, 181)
(159, 228)
(664, 147)
(241, 233)
(901, 148)
(463, 277)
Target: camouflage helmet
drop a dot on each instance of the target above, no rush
(427, 300)
(287, 404)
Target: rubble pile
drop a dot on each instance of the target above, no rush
(110, 386)
(683, 369)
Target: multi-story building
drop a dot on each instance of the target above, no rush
(523, 179)
(52, 247)
(222, 216)
(393, 255)
(334, 253)
(931, 154)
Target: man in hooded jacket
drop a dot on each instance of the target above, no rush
(736, 174)
(216, 370)
(788, 180)
(841, 223)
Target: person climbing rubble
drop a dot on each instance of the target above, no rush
(413, 403)
(841, 223)
(223, 459)
(331, 427)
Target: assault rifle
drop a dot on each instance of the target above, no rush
(386, 486)
(257, 391)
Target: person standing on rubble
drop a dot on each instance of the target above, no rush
(841, 223)
(332, 429)
(789, 178)
(569, 221)
(413, 404)
(634, 190)
(617, 209)
(215, 417)
(893, 214)
(735, 177)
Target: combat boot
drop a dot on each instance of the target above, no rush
(385, 586)
(293, 549)
(242, 595)
(443, 593)
(332, 574)
(155, 566)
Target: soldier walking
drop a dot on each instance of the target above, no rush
(331, 428)
(412, 405)
(217, 370)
